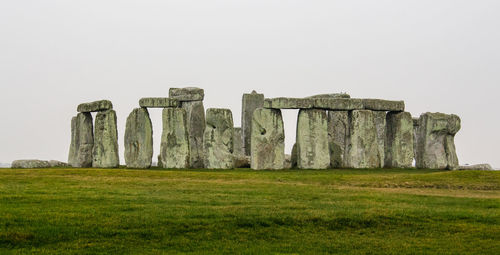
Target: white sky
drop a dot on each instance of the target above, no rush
(436, 55)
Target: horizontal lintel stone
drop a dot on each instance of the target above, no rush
(96, 106)
(187, 94)
(383, 105)
(309, 103)
(158, 102)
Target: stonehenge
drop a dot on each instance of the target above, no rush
(333, 131)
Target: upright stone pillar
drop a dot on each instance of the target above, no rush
(250, 102)
(415, 137)
(312, 140)
(380, 124)
(267, 140)
(174, 148)
(338, 128)
(105, 152)
(238, 142)
(399, 146)
(139, 139)
(362, 149)
(218, 139)
(82, 141)
(436, 146)
(191, 100)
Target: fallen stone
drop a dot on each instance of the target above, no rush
(241, 161)
(334, 95)
(317, 103)
(139, 139)
(195, 116)
(436, 146)
(82, 141)
(362, 149)
(56, 163)
(218, 139)
(399, 147)
(105, 150)
(312, 140)
(158, 102)
(338, 128)
(96, 106)
(485, 167)
(267, 140)
(174, 147)
(238, 142)
(187, 94)
(30, 163)
(250, 102)
(383, 105)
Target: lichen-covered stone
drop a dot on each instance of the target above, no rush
(30, 163)
(312, 140)
(333, 95)
(187, 94)
(380, 124)
(105, 151)
(241, 161)
(238, 142)
(159, 163)
(250, 102)
(338, 128)
(484, 167)
(293, 156)
(82, 141)
(309, 103)
(158, 102)
(267, 140)
(383, 105)
(415, 137)
(218, 139)
(195, 116)
(399, 146)
(56, 163)
(436, 147)
(139, 139)
(362, 149)
(174, 147)
(96, 106)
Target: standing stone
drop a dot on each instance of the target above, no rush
(174, 148)
(380, 124)
(250, 102)
(436, 146)
(82, 141)
(312, 139)
(139, 139)
(268, 140)
(238, 142)
(195, 117)
(338, 128)
(399, 146)
(362, 149)
(218, 139)
(293, 156)
(159, 164)
(105, 152)
(415, 137)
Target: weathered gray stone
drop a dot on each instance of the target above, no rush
(195, 116)
(309, 103)
(288, 162)
(268, 140)
(82, 141)
(293, 156)
(30, 163)
(241, 161)
(333, 95)
(159, 163)
(380, 125)
(338, 128)
(250, 102)
(484, 167)
(362, 149)
(139, 139)
(105, 151)
(96, 106)
(312, 139)
(187, 94)
(238, 142)
(415, 137)
(174, 148)
(436, 147)
(399, 146)
(56, 163)
(383, 105)
(158, 102)
(218, 139)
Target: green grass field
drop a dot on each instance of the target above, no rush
(89, 211)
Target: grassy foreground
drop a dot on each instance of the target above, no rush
(75, 211)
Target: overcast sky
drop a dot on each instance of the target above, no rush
(436, 55)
